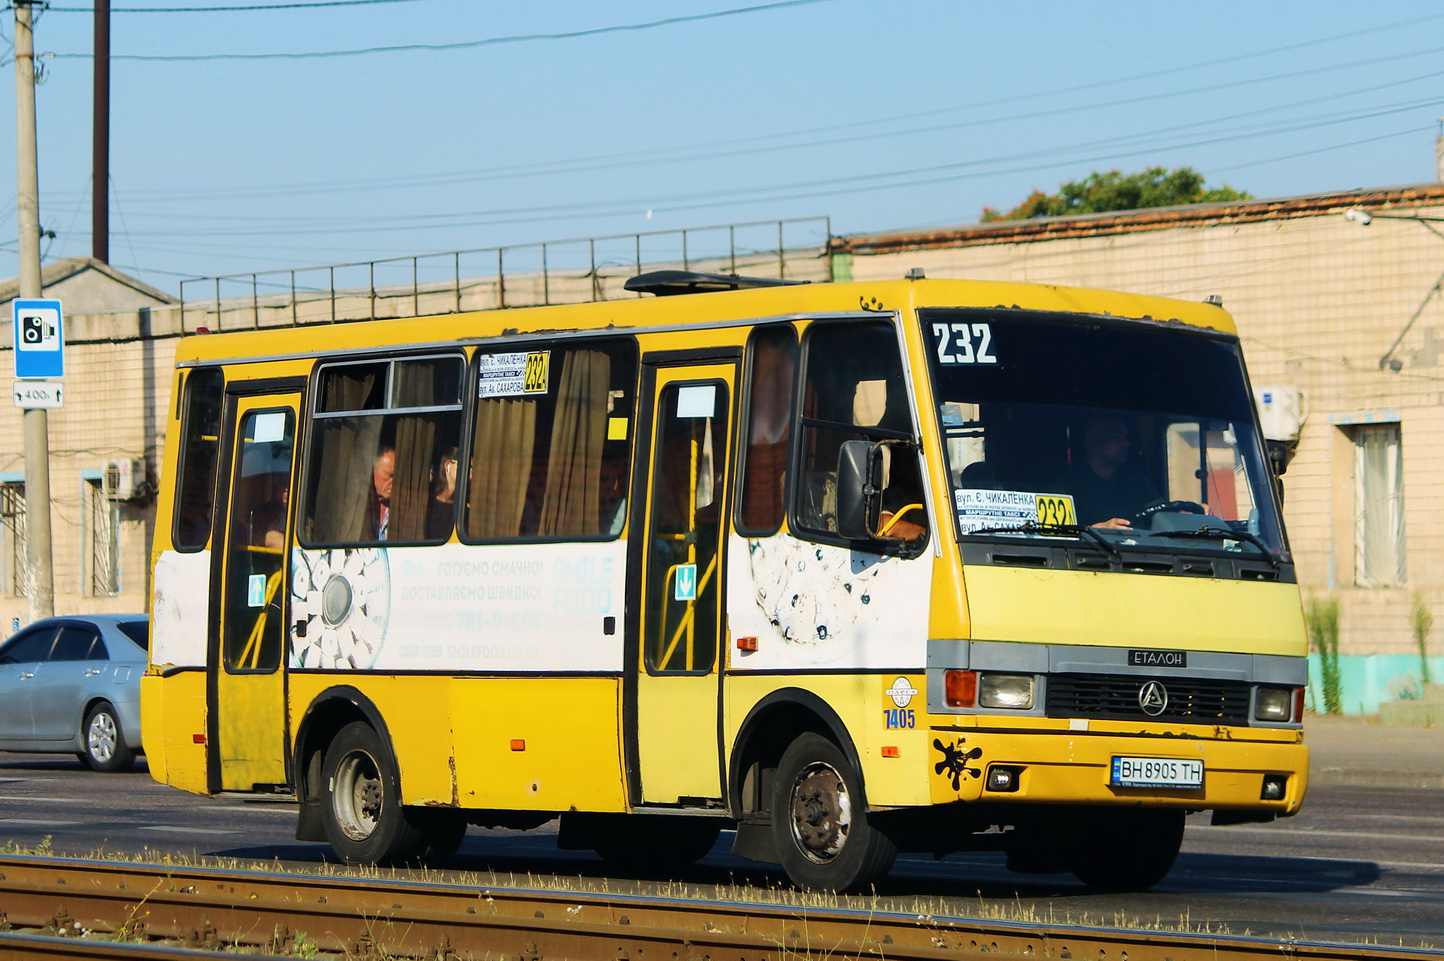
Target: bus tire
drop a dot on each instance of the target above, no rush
(820, 823)
(102, 742)
(1129, 849)
(361, 801)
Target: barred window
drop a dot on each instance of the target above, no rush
(12, 538)
(102, 534)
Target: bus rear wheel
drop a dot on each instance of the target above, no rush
(1129, 849)
(820, 823)
(365, 822)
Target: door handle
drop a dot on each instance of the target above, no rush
(26, 675)
(94, 671)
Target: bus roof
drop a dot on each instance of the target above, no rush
(704, 307)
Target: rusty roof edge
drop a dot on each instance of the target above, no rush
(1128, 221)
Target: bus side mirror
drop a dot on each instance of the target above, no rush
(859, 489)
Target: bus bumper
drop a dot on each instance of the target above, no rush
(1078, 767)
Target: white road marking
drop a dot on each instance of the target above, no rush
(1265, 831)
(38, 821)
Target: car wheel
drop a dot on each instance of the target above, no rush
(365, 821)
(820, 823)
(102, 741)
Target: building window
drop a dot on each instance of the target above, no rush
(102, 538)
(12, 538)
(1378, 506)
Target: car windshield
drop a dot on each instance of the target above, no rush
(138, 631)
(1141, 433)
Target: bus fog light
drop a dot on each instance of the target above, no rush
(1012, 691)
(1273, 704)
(1273, 787)
(1003, 779)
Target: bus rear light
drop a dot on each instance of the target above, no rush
(518, 744)
(960, 688)
(198, 738)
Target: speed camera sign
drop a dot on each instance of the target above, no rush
(39, 339)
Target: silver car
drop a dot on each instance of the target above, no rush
(73, 684)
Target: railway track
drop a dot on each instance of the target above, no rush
(162, 909)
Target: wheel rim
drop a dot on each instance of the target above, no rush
(357, 795)
(100, 737)
(821, 812)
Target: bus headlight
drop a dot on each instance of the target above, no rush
(1011, 691)
(1273, 704)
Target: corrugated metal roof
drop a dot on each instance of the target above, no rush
(1132, 221)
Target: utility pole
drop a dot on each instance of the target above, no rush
(39, 579)
(100, 138)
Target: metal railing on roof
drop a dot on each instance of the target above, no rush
(515, 275)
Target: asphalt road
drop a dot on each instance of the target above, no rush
(1363, 861)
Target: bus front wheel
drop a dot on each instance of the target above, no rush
(365, 822)
(820, 823)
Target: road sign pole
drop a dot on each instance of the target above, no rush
(39, 575)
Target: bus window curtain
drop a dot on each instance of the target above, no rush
(1379, 507)
(415, 443)
(574, 465)
(501, 456)
(346, 452)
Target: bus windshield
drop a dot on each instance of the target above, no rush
(1140, 433)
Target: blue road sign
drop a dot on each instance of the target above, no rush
(39, 340)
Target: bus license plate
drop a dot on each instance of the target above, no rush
(1156, 772)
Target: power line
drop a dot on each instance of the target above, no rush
(232, 9)
(611, 161)
(459, 45)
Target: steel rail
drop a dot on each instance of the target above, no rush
(376, 917)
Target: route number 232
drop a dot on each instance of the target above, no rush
(964, 343)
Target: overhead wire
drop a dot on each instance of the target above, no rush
(457, 44)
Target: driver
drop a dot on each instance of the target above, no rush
(1106, 486)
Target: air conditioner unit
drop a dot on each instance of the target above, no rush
(123, 478)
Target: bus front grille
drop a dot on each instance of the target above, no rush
(1199, 700)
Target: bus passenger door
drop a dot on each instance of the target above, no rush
(674, 672)
(248, 734)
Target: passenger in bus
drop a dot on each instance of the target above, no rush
(378, 506)
(441, 508)
(268, 520)
(1106, 485)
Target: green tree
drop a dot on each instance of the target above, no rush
(1115, 190)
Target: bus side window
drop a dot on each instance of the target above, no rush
(772, 376)
(379, 432)
(200, 446)
(854, 389)
(551, 441)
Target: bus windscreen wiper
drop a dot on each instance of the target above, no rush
(1055, 530)
(1224, 534)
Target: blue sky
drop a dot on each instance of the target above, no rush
(907, 114)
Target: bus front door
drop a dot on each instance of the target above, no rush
(248, 734)
(675, 673)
